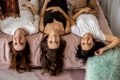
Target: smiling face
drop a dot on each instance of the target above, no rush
(19, 40)
(87, 42)
(53, 41)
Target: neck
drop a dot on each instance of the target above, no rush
(21, 32)
(53, 31)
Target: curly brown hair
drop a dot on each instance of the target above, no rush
(20, 60)
(52, 59)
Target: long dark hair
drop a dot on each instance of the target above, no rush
(20, 60)
(60, 3)
(50, 16)
(83, 54)
(52, 59)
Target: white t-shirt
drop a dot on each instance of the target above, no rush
(26, 21)
(87, 23)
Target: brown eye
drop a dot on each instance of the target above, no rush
(22, 43)
(50, 41)
(57, 42)
(15, 43)
(83, 43)
(89, 44)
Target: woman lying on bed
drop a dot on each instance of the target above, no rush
(54, 22)
(20, 27)
(85, 25)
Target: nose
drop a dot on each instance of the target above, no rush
(54, 39)
(18, 39)
(86, 39)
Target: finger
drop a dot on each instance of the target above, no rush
(48, 9)
(101, 53)
(53, 10)
(90, 9)
(97, 53)
(24, 5)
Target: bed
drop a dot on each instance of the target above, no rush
(73, 70)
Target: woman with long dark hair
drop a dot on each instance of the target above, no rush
(54, 22)
(85, 24)
(52, 59)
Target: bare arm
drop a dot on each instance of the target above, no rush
(113, 42)
(76, 15)
(94, 6)
(67, 30)
(41, 26)
(83, 10)
(32, 8)
(34, 12)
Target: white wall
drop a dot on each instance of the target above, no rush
(111, 9)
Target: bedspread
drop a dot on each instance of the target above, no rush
(73, 70)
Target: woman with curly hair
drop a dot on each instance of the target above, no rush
(54, 22)
(52, 59)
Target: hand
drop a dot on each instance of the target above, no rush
(53, 9)
(86, 9)
(100, 51)
(27, 5)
